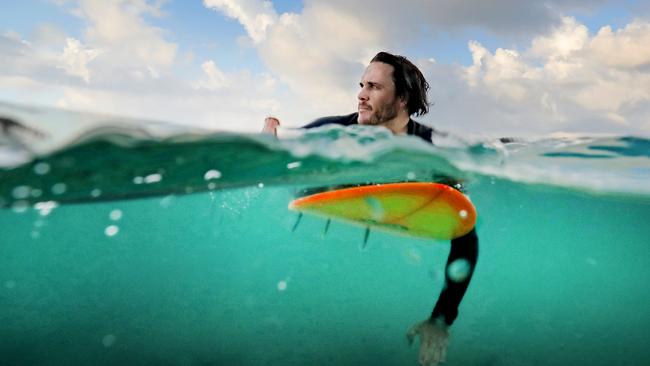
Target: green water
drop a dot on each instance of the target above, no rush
(218, 277)
(198, 279)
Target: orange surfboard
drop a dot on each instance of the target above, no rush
(427, 210)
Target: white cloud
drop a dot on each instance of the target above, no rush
(255, 15)
(75, 59)
(625, 48)
(566, 79)
(126, 40)
(214, 78)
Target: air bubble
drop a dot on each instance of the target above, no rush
(111, 230)
(115, 215)
(260, 185)
(96, 193)
(10, 284)
(459, 270)
(282, 285)
(166, 201)
(212, 174)
(42, 168)
(59, 188)
(20, 206)
(108, 340)
(20, 192)
(212, 186)
(153, 178)
(138, 180)
(45, 208)
(410, 176)
(294, 165)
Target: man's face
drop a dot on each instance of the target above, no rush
(377, 101)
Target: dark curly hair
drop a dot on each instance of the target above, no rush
(410, 84)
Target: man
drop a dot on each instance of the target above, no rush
(392, 90)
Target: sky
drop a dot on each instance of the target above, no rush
(496, 68)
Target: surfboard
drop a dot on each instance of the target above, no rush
(426, 210)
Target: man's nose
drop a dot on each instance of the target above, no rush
(363, 95)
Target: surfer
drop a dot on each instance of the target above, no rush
(392, 90)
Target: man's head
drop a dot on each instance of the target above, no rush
(391, 88)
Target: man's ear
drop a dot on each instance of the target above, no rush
(403, 101)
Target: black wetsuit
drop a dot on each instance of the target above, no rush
(465, 247)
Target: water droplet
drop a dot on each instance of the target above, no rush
(96, 192)
(138, 180)
(294, 165)
(111, 230)
(108, 340)
(282, 285)
(115, 215)
(59, 188)
(462, 214)
(42, 168)
(459, 270)
(212, 174)
(20, 192)
(153, 178)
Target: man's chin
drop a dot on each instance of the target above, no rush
(365, 121)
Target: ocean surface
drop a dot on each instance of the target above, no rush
(129, 242)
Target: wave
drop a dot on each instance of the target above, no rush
(50, 155)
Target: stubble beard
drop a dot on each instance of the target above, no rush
(383, 115)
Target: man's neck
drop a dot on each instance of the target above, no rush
(398, 125)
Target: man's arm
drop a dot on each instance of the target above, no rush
(458, 272)
(433, 332)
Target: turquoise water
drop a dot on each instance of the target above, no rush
(125, 247)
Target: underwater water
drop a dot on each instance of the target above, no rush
(165, 246)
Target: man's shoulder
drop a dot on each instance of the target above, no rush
(346, 120)
(418, 129)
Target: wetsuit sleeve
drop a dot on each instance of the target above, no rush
(463, 248)
(346, 120)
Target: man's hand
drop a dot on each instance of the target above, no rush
(433, 341)
(271, 125)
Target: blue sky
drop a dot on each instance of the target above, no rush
(513, 67)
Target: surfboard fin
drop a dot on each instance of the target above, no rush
(364, 246)
(327, 227)
(295, 226)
